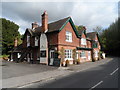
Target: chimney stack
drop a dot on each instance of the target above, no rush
(44, 22)
(34, 25)
(15, 42)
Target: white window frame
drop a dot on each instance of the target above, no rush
(36, 41)
(84, 55)
(68, 54)
(83, 41)
(68, 36)
(77, 55)
(28, 40)
(96, 53)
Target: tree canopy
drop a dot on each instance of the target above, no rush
(110, 38)
(80, 27)
(98, 29)
(9, 33)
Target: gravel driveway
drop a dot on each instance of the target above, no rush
(12, 69)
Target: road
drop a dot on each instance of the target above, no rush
(104, 76)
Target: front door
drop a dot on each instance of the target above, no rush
(52, 55)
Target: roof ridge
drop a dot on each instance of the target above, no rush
(59, 20)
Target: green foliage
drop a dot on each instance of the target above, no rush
(62, 54)
(81, 27)
(2, 56)
(9, 33)
(74, 54)
(110, 38)
(98, 29)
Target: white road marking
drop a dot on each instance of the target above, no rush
(114, 71)
(96, 85)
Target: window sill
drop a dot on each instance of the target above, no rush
(83, 57)
(68, 58)
(68, 41)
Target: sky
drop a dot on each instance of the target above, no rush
(90, 13)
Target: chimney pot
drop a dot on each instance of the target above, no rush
(34, 25)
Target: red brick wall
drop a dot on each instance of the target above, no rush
(96, 38)
(89, 45)
(32, 40)
(25, 39)
(83, 36)
(96, 49)
(62, 36)
(52, 38)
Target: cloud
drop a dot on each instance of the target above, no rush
(90, 14)
(93, 14)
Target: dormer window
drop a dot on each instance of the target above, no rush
(83, 41)
(68, 36)
(36, 41)
(28, 40)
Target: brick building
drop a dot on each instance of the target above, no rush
(42, 44)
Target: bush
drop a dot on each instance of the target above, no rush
(4, 56)
(67, 63)
(78, 61)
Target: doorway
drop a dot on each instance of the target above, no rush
(52, 56)
(89, 55)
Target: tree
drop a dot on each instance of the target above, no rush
(110, 38)
(9, 33)
(80, 27)
(62, 54)
(98, 29)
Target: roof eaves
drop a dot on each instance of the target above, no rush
(73, 26)
(64, 24)
(81, 48)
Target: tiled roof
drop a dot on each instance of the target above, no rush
(91, 35)
(54, 26)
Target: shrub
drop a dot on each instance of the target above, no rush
(67, 63)
(78, 61)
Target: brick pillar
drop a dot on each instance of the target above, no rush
(15, 42)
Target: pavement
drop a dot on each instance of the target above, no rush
(12, 69)
(48, 74)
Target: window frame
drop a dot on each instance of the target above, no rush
(68, 54)
(96, 53)
(28, 40)
(68, 35)
(83, 54)
(83, 41)
(36, 41)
